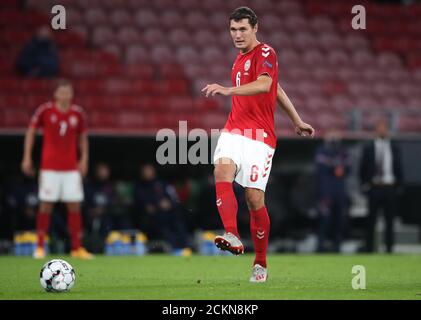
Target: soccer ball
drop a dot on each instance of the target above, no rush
(57, 276)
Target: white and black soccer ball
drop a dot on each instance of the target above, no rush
(57, 276)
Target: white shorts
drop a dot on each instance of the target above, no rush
(252, 158)
(64, 186)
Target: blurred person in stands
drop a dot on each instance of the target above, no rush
(332, 167)
(60, 178)
(98, 205)
(381, 177)
(122, 218)
(39, 57)
(246, 146)
(158, 204)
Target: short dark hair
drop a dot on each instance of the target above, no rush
(244, 13)
(63, 83)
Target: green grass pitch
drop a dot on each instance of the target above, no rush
(219, 277)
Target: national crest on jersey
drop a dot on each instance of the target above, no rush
(255, 112)
(73, 121)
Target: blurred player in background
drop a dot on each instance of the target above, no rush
(61, 172)
(246, 147)
(332, 168)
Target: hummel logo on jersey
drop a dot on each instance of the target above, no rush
(219, 202)
(260, 234)
(266, 50)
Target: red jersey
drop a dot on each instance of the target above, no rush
(61, 132)
(255, 113)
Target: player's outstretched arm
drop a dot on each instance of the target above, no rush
(84, 153)
(28, 146)
(261, 85)
(301, 128)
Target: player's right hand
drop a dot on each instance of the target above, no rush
(83, 168)
(304, 129)
(27, 167)
(212, 89)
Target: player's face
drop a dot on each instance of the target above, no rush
(382, 129)
(64, 94)
(243, 34)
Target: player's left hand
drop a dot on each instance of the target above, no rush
(83, 168)
(304, 129)
(212, 89)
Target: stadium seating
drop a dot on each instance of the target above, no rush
(152, 58)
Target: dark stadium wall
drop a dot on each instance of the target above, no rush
(292, 172)
(126, 153)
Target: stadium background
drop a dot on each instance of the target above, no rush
(138, 66)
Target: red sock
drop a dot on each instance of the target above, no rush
(259, 229)
(227, 206)
(75, 227)
(42, 225)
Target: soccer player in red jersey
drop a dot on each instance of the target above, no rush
(247, 144)
(61, 171)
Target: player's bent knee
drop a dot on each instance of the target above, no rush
(46, 207)
(255, 204)
(255, 199)
(223, 173)
(73, 206)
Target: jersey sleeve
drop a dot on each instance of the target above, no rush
(81, 128)
(266, 62)
(37, 119)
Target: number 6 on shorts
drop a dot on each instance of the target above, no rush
(254, 174)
